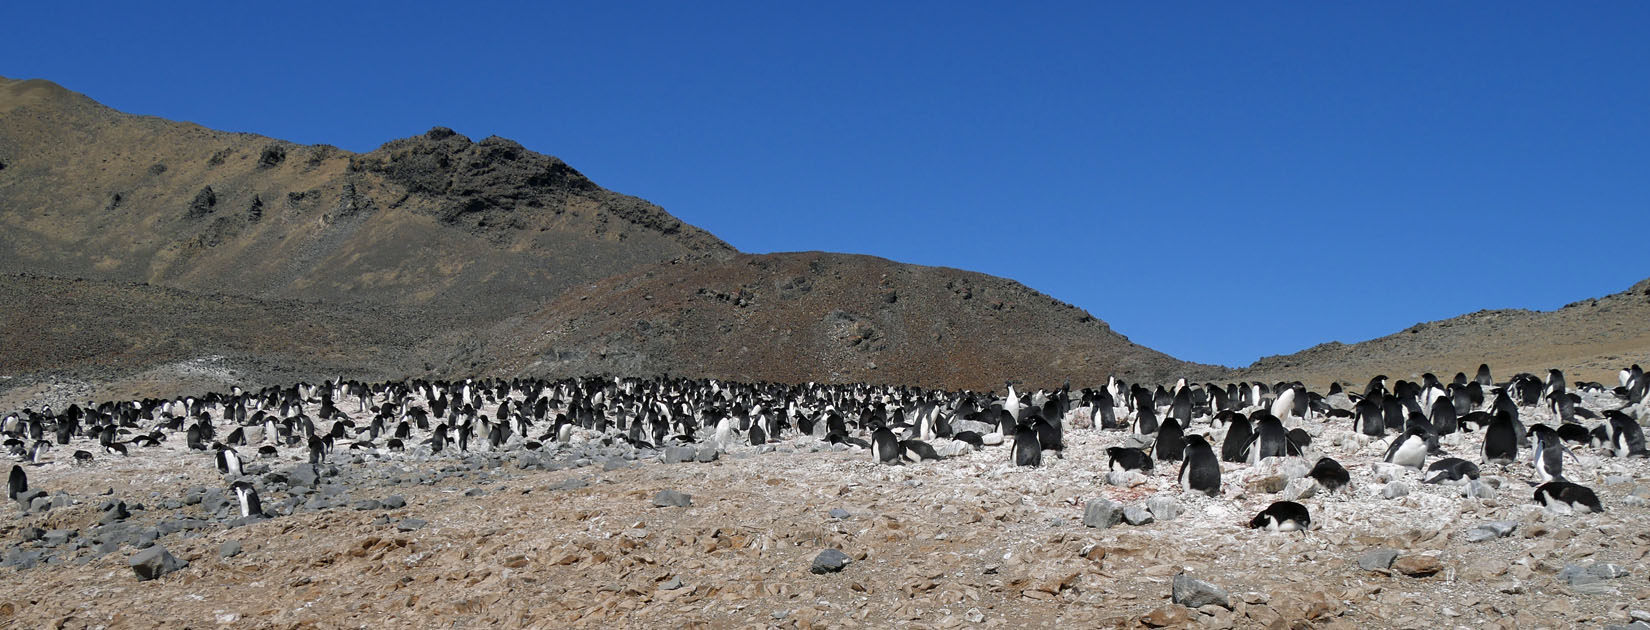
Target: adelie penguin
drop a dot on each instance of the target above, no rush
(1028, 451)
(248, 496)
(884, 447)
(1238, 434)
(17, 483)
(1501, 440)
(1200, 472)
(1563, 495)
(1171, 442)
(1330, 474)
(1625, 437)
(1124, 458)
(229, 462)
(1451, 469)
(1547, 455)
(1409, 449)
(1283, 516)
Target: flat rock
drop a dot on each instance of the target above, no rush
(229, 549)
(1125, 478)
(672, 498)
(1377, 559)
(1395, 490)
(1163, 507)
(154, 562)
(839, 513)
(678, 454)
(706, 454)
(410, 524)
(1477, 489)
(1417, 566)
(1137, 514)
(1167, 617)
(1300, 488)
(1102, 513)
(1491, 530)
(1194, 593)
(1270, 484)
(829, 561)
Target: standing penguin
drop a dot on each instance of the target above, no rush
(1547, 454)
(1238, 434)
(1270, 439)
(1501, 439)
(1200, 472)
(884, 448)
(1626, 437)
(17, 483)
(229, 462)
(248, 496)
(1170, 444)
(1027, 450)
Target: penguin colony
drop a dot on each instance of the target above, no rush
(1195, 432)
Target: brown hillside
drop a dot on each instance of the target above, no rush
(1589, 340)
(815, 316)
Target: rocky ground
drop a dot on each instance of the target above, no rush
(584, 535)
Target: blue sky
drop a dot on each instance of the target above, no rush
(1220, 181)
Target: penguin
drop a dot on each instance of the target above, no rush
(229, 462)
(1483, 378)
(1369, 419)
(1238, 434)
(1547, 455)
(922, 450)
(884, 448)
(1171, 444)
(1574, 433)
(1563, 495)
(248, 496)
(317, 450)
(1330, 474)
(970, 438)
(268, 451)
(17, 483)
(1123, 458)
(758, 436)
(1282, 516)
(1284, 406)
(1270, 440)
(1626, 437)
(82, 457)
(37, 455)
(116, 448)
(1451, 469)
(1501, 439)
(1200, 471)
(1048, 436)
(1027, 450)
(1409, 449)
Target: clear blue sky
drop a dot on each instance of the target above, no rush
(1219, 181)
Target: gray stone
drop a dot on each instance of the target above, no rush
(1608, 571)
(27, 497)
(1300, 488)
(706, 454)
(1394, 490)
(1137, 514)
(368, 504)
(303, 476)
(1125, 478)
(1163, 507)
(678, 454)
(410, 524)
(1478, 489)
(675, 582)
(1135, 440)
(1637, 625)
(154, 562)
(394, 502)
(829, 561)
(1639, 615)
(229, 549)
(1491, 530)
(40, 504)
(1102, 513)
(839, 513)
(672, 498)
(57, 537)
(1377, 559)
(1194, 594)
(31, 534)
(475, 492)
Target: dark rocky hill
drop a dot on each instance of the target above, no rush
(131, 244)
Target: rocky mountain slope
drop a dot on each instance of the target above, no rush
(1589, 340)
(436, 254)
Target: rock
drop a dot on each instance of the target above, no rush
(303, 476)
(1102, 513)
(1193, 593)
(368, 504)
(1639, 615)
(1377, 559)
(394, 502)
(1135, 440)
(1300, 488)
(1163, 507)
(1270, 484)
(1491, 530)
(1608, 571)
(829, 561)
(672, 498)
(1417, 566)
(27, 497)
(31, 534)
(839, 514)
(57, 537)
(154, 562)
(706, 454)
(1137, 514)
(1394, 490)
(1637, 625)
(1168, 617)
(1477, 489)
(1125, 478)
(678, 454)
(672, 584)
(410, 524)
(229, 549)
